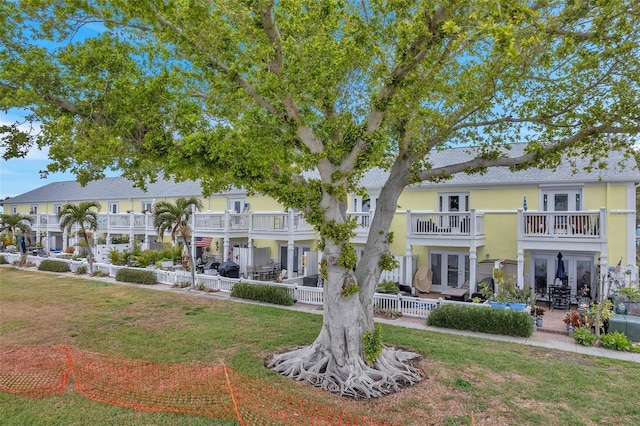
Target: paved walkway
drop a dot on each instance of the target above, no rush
(552, 339)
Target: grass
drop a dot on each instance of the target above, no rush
(491, 382)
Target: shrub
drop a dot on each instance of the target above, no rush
(99, 274)
(584, 336)
(617, 341)
(53, 266)
(81, 270)
(485, 320)
(263, 293)
(139, 276)
(3, 261)
(387, 286)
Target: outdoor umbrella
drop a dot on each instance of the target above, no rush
(560, 268)
(23, 246)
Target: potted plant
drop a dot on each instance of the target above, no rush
(627, 301)
(573, 320)
(507, 293)
(538, 312)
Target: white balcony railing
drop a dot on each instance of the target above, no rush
(532, 224)
(279, 222)
(469, 223)
(578, 224)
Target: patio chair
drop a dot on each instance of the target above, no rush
(251, 272)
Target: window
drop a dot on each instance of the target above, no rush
(146, 206)
(57, 208)
(561, 199)
(235, 205)
(14, 209)
(113, 208)
(454, 202)
(34, 209)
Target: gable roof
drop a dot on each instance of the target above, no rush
(108, 189)
(619, 169)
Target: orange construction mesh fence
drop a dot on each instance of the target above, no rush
(35, 371)
(210, 391)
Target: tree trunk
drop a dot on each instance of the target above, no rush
(89, 251)
(191, 262)
(336, 359)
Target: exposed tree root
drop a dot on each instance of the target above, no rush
(392, 371)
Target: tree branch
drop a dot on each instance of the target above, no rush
(217, 65)
(72, 108)
(270, 28)
(477, 164)
(416, 53)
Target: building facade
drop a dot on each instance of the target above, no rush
(568, 226)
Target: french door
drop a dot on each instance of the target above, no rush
(579, 272)
(450, 269)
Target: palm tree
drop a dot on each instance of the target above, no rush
(175, 217)
(84, 215)
(15, 224)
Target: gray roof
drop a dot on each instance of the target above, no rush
(108, 189)
(118, 188)
(502, 176)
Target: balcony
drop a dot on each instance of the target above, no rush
(572, 229)
(124, 223)
(579, 225)
(280, 225)
(455, 229)
(45, 222)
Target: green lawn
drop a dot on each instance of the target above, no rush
(491, 382)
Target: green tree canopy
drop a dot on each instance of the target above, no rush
(296, 99)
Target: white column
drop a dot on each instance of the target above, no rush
(290, 249)
(473, 268)
(520, 260)
(131, 236)
(408, 252)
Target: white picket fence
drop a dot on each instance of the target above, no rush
(408, 306)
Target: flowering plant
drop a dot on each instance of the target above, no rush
(574, 319)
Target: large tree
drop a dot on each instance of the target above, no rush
(176, 217)
(83, 215)
(297, 99)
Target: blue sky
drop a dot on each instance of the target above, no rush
(22, 175)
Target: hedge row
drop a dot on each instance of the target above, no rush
(53, 266)
(138, 276)
(263, 293)
(484, 320)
